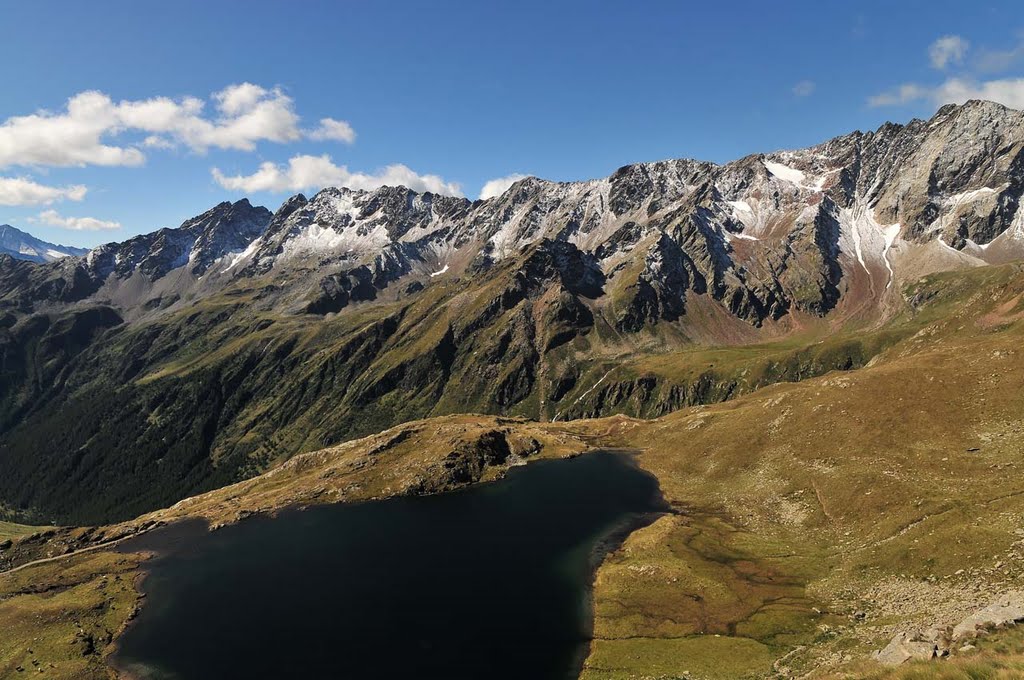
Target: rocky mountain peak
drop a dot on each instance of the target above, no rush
(24, 246)
(227, 228)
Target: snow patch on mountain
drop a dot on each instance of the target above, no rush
(890, 233)
(785, 173)
(871, 241)
(241, 255)
(317, 239)
(742, 211)
(799, 178)
(968, 196)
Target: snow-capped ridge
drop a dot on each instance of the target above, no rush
(24, 246)
(763, 235)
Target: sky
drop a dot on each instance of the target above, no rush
(122, 117)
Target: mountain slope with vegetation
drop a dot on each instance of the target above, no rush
(196, 399)
(811, 522)
(189, 358)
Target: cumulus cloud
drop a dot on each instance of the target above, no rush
(1007, 91)
(499, 185)
(304, 173)
(24, 191)
(904, 94)
(54, 219)
(947, 50)
(237, 99)
(245, 114)
(87, 130)
(331, 129)
(73, 137)
(804, 88)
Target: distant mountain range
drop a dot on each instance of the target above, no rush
(177, 360)
(23, 246)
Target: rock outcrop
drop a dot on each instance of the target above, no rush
(939, 642)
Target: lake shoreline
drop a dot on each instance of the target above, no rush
(614, 540)
(179, 536)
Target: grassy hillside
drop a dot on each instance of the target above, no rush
(891, 491)
(811, 521)
(10, 530)
(59, 618)
(102, 420)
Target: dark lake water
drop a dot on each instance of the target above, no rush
(490, 582)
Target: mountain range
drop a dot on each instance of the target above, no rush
(764, 235)
(243, 336)
(22, 246)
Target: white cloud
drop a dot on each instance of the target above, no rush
(70, 138)
(499, 185)
(247, 114)
(157, 142)
(331, 129)
(23, 191)
(949, 49)
(804, 88)
(52, 218)
(1007, 91)
(904, 94)
(304, 173)
(82, 134)
(238, 99)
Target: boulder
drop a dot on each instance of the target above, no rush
(904, 648)
(1007, 611)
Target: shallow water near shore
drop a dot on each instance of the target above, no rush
(489, 582)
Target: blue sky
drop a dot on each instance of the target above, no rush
(457, 93)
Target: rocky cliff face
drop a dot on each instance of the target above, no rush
(762, 236)
(194, 246)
